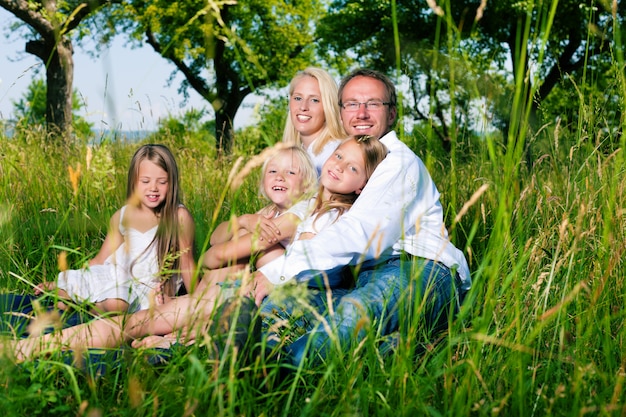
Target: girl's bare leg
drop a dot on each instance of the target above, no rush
(162, 342)
(99, 333)
(194, 316)
(111, 305)
(181, 312)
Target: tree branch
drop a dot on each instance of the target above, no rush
(196, 82)
(82, 11)
(38, 48)
(20, 9)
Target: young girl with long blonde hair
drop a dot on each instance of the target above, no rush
(148, 251)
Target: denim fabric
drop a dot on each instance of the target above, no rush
(17, 310)
(385, 298)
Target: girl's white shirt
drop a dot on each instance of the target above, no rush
(300, 210)
(314, 223)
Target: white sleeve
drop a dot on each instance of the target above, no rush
(374, 223)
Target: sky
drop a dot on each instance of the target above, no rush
(122, 88)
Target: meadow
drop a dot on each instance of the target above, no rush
(539, 211)
(541, 332)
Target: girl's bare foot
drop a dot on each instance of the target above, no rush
(162, 342)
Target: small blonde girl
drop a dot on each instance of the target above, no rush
(288, 178)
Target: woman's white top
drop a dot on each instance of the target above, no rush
(327, 151)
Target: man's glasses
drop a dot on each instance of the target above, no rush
(369, 105)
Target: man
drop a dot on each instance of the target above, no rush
(394, 230)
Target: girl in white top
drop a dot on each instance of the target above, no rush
(288, 178)
(148, 250)
(313, 121)
(343, 177)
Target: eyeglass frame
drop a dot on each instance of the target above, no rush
(366, 103)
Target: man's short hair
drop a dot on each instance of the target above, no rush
(392, 97)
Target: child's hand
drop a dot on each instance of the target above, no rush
(159, 294)
(263, 225)
(44, 287)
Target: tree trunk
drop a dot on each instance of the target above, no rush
(223, 132)
(59, 77)
(224, 120)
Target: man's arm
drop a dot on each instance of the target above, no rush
(373, 225)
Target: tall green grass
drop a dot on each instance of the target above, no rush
(541, 333)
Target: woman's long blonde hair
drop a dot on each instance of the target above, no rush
(333, 129)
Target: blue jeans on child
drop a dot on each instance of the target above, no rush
(385, 296)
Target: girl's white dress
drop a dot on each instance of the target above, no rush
(115, 278)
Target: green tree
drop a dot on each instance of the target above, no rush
(227, 49)
(49, 26)
(495, 41)
(31, 109)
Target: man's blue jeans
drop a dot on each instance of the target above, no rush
(387, 296)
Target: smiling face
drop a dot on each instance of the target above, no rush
(306, 109)
(283, 180)
(364, 121)
(344, 172)
(152, 184)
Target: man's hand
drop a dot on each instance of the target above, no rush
(259, 287)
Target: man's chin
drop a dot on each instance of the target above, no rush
(368, 131)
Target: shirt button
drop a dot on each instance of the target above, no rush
(282, 278)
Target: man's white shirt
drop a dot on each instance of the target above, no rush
(398, 210)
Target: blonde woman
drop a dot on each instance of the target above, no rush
(314, 122)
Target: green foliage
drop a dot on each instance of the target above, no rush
(30, 110)
(225, 49)
(267, 131)
(189, 131)
(541, 331)
(464, 52)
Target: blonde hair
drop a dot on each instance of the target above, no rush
(373, 151)
(168, 231)
(302, 160)
(332, 128)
